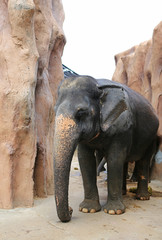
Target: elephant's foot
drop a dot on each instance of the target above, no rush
(143, 195)
(114, 207)
(89, 205)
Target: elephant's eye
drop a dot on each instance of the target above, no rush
(81, 113)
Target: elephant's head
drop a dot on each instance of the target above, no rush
(79, 117)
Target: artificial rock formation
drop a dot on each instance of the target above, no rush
(31, 46)
(141, 69)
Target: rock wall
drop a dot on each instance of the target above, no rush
(31, 46)
(141, 69)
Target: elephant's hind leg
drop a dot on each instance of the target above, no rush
(143, 174)
(142, 188)
(87, 162)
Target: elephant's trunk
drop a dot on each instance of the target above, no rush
(64, 146)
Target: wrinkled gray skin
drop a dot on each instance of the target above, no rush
(105, 116)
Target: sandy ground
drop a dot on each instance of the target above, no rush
(142, 219)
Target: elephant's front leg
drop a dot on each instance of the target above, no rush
(87, 162)
(116, 158)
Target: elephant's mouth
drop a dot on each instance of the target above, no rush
(96, 136)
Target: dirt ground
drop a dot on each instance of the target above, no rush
(142, 219)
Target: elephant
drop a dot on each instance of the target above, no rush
(106, 116)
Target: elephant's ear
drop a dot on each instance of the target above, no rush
(114, 107)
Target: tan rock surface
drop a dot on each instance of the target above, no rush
(141, 69)
(31, 45)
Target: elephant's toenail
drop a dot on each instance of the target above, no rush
(119, 212)
(111, 212)
(92, 211)
(80, 209)
(85, 210)
(105, 210)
